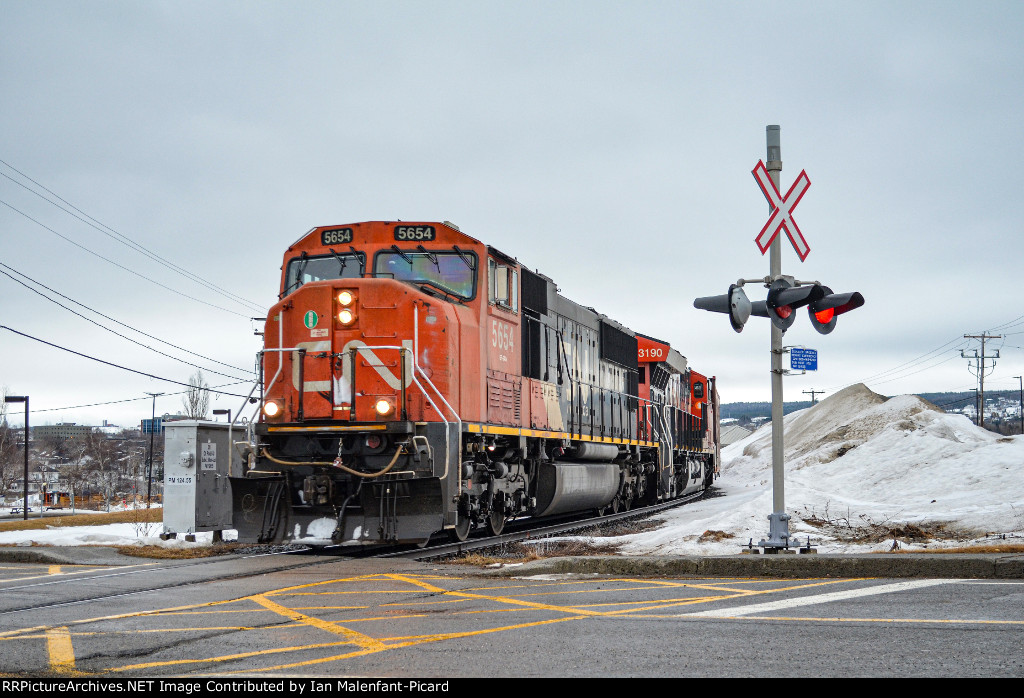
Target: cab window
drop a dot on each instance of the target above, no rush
(450, 272)
(502, 285)
(301, 270)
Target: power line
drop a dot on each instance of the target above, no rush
(109, 363)
(124, 240)
(120, 266)
(131, 399)
(112, 331)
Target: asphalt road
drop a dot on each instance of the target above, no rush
(305, 616)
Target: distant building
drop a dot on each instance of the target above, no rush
(66, 430)
(156, 426)
(732, 434)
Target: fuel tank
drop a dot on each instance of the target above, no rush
(564, 487)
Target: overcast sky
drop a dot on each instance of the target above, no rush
(608, 145)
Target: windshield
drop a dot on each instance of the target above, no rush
(454, 272)
(302, 270)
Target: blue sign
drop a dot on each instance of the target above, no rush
(803, 359)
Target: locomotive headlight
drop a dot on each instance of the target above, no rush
(345, 298)
(346, 317)
(383, 407)
(272, 408)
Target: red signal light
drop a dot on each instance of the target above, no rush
(825, 316)
(784, 311)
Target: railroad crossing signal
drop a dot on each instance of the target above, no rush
(783, 300)
(824, 311)
(735, 303)
(781, 217)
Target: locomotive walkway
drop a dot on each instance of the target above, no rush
(904, 565)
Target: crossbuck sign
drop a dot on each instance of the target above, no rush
(782, 211)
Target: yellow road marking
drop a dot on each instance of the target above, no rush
(350, 635)
(418, 640)
(62, 658)
(62, 654)
(227, 657)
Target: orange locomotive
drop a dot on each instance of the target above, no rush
(415, 380)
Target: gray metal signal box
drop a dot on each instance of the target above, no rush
(198, 458)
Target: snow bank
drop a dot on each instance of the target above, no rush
(860, 457)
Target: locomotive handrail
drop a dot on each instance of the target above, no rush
(248, 428)
(280, 364)
(416, 366)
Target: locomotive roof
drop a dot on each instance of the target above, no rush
(312, 233)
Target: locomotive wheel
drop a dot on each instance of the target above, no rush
(496, 519)
(461, 530)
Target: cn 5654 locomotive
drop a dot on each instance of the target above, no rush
(415, 380)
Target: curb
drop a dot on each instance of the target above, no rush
(936, 566)
(68, 555)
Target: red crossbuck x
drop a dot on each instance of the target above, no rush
(782, 211)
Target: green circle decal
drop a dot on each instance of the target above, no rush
(310, 319)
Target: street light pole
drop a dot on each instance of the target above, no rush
(1021, 379)
(23, 398)
(149, 468)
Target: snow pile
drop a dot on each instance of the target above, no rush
(116, 534)
(856, 458)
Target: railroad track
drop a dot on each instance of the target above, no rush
(527, 530)
(520, 531)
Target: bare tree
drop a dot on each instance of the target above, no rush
(77, 471)
(197, 399)
(104, 452)
(11, 467)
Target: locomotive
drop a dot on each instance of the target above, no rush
(415, 380)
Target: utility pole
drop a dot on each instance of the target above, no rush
(1021, 379)
(24, 398)
(813, 393)
(980, 363)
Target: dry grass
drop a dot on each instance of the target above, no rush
(518, 552)
(714, 536)
(972, 549)
(128, 516)
(159, 552)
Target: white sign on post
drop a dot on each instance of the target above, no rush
(208, 456)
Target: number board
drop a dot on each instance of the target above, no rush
(336, 236)
(803, 359)
(415, 232)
